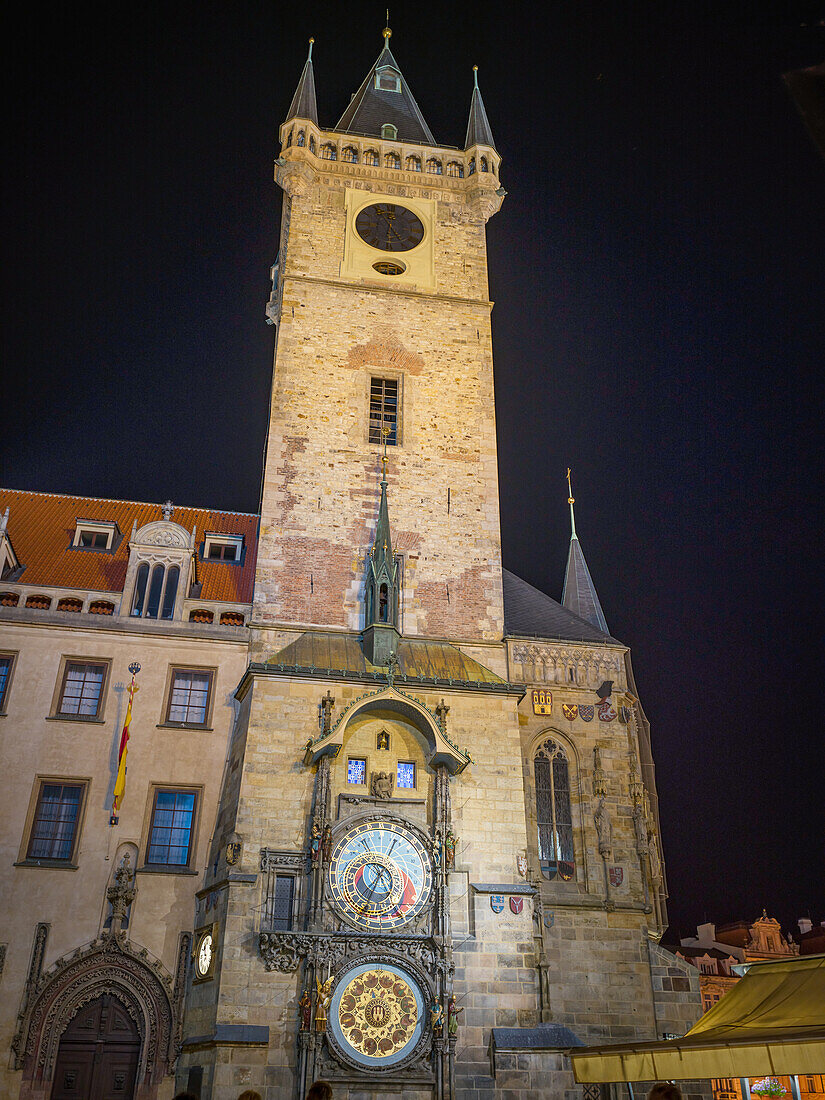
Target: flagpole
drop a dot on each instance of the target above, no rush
(120, 780)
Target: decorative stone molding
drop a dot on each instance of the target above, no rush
(108, 965)
(543, 663)
(283, 951)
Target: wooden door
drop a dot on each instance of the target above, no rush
(98, 1054)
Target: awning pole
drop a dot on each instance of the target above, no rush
(795, 1088)
(745, 1082)
(630, 1091)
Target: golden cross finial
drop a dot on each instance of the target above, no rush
(570, 499)
(385, 431)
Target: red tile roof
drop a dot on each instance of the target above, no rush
(42, 525)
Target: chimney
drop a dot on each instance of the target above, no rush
(805, 925)
(706, 934)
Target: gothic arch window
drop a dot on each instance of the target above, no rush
(288, 141)
(455, 169)
(383, 603)
(472, 168)
(371, 157)
(392, 160)
(554, 816)
(413, 164)
(349, 154)
(312, 146)
(155, 591)
(329, 152)
(434, 167)
(301, 139)
(483, 165)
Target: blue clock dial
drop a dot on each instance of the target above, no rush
(380, 875)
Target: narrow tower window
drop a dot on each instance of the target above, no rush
(383, 603)
(384, 410)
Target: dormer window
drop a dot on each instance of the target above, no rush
(389, 132)
(94, 535)
(155, 591)
(223, 548)
(388, 79)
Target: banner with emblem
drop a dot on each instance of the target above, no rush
(586, 712)
(570, 710)
(542, 701)
(607, 712)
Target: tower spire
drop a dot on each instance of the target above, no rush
(579, 595)
(381, 635)
(478, 127)
(303, 102)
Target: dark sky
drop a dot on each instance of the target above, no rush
(659, 326)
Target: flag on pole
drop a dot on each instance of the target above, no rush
(120, 781)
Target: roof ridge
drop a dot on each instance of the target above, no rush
(123, 500)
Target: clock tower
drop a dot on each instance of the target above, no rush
(436, 850)
(381, 307)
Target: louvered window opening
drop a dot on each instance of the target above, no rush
(553, 812)
(384, 410)
(280, 895)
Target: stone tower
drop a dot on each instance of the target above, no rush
(436, 844)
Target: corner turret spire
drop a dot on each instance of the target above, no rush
(478, 128)
(384, 106)
(303, 102)
(579, 594)
(381, 634)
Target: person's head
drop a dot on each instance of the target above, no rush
(321, 1090)
(249, 1094)
(664, 1090)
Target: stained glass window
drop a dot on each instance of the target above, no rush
(553, 813)
(356, 771)
(406, 775)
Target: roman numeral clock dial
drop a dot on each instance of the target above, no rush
(389, 227)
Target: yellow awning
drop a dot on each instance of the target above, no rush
(771, 1022)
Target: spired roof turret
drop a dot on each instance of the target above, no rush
(478, 127)
(303, 103)
(579, 594)
(385, 97)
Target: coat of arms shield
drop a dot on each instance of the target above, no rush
(549, 920)
(607, 712)
(586, 712)
(570, 710)
(616, 875)
(496, 902)
(521, 864)
(516, 904)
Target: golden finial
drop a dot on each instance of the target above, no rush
(387, 33)
(311, 41)
(475, 75)
(385, 431)
(571, 502)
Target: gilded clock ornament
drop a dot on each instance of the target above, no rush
(390, 227)
(380, 874)
(377, 1014)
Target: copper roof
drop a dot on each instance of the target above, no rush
(42, 526)
(417, 658)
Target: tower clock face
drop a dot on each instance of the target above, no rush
(204, 959)
(389, 227)
(380, 875)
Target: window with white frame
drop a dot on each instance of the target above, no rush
(94, 535)
(156, 589)
(222, 547)
(189, 695)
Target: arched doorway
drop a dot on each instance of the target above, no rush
(98, 1054)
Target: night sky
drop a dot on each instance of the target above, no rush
(658, 274)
